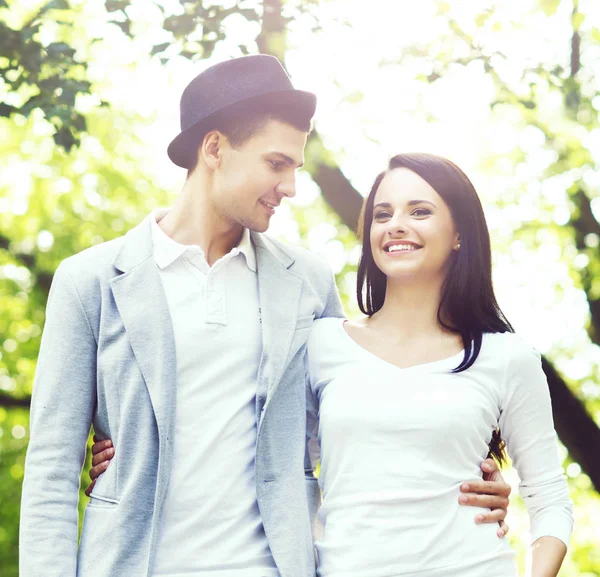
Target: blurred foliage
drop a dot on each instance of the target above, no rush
(68, 182)
(39, 74)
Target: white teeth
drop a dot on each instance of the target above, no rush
(401, 247)
(271, 206)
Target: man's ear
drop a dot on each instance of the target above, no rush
(211, 149)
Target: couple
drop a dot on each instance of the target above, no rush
(218, 362)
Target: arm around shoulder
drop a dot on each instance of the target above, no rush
(64, 396)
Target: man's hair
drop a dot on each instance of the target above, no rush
(241, 122)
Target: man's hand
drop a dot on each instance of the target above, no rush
(102, 453)
(491, 493)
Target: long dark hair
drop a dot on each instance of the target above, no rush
(468, 305)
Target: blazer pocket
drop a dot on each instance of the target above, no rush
(305, 322)
(101, 502)
(105, 489)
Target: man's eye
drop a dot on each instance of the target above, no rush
(421, 212)
(276, 165)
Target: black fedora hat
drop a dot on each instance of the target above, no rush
(224, 88)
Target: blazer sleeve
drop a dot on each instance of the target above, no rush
(527, 426)
(311, 458)
(64, 396)
(333, 304)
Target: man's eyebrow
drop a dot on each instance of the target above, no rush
(288, 160)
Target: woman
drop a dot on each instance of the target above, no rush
(405, 400)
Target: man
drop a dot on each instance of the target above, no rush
(183, 342)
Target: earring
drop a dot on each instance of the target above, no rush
(457, 247)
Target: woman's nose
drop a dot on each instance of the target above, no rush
(395, 227)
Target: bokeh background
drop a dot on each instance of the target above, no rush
(509, 90)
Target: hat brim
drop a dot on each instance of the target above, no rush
(183, 148)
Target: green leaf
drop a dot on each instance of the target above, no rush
(483, 17)
(125, 26)
(159, 48)
(57, 5)
(181, 25)
(188, 54)
(549, 6)
(116, 5)
(249, 14)
(354, 97)
(59, 50)
(578, 20)
(6, 110)
(443, 8)
(79, 123)
(528, 104)
(65, 138)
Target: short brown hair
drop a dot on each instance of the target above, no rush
(241, 122)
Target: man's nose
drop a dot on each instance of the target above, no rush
(287, 187)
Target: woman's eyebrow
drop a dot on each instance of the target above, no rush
(409, 203)
(413, 202)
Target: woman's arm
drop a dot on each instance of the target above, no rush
(547, 555)
(528, 429)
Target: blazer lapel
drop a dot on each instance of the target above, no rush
(279, 295)
(142, 304)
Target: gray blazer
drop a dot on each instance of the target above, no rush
(107, 358)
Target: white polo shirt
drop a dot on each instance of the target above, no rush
(211, 525)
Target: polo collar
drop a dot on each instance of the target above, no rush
(167, 251)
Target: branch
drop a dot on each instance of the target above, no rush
(272, 37)
(585, 223)
(44, 279)
(337, 190)
(7, 400)
(575, 41)
(575, 427)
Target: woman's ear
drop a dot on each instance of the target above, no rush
(457, 242)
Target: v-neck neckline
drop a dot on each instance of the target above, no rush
(452, 360)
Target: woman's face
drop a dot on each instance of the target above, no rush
(412, 232)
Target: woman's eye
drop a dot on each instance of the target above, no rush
(381, 215)
(421, 212)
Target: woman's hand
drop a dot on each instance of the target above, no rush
(102, 453)
(491, 492)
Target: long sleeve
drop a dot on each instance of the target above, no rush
(528, 429)
(312, 429)
(312, 455)
(333, 305)
(64, 396)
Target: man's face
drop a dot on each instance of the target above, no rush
(252, 179)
